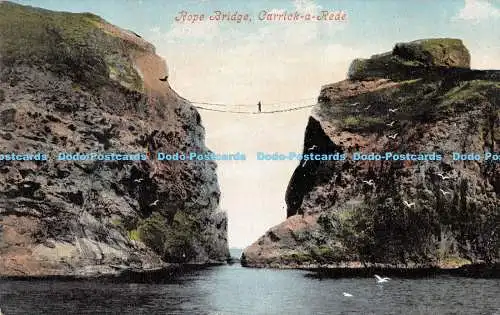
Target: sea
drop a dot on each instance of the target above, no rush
(232, 289)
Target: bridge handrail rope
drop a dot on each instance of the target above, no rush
(254, 113)
(253, 105)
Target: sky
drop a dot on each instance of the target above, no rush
(283, 65)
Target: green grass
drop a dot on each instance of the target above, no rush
(116, 222)
(25, 30)
(470, 89)
(345, 214)
(435, 45)
(401, 66)
(360, 123)
(357, 66)
(350, 121)
(412, 81)
(153, 232)
(454, 261)
(134, 235)
(174, 241)
(69, 43)
(436, 51)
(323, 251)
(468, 95)
(326, 254)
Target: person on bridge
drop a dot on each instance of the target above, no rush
(260, 107)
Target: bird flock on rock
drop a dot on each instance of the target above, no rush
(393, 137)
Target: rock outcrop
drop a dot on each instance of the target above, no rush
(413, 59)
(75, 83)
(420, 98)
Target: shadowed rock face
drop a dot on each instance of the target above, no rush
(74, 83)
(442, 108)
(316, 142)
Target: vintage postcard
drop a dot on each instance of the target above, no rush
(249, 157)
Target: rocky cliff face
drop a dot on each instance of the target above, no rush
(75, 83)
(421, 97)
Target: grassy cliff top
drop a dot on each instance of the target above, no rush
(443, 52)
(81, 45)
(413, 59)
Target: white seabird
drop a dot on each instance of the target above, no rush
(442, 176)
(393, 110)
(347, 294)
(154, 203)
(409, 205)
(369, 182)
(445, 192)
(381, 280)
(391, 124)
(393, 136)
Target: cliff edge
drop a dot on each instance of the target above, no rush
(420, 98)
(73, 83)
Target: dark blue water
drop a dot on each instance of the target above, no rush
(236, 290)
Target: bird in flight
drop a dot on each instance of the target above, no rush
(138, 180)
(369, 182)
(445, 192)
(393, 136)
(443, 176)
(347, 294)
(409, 205)
(314, 147)
(391, 124)
(154, 203)
(164, 78)
(355, 104)
(368, 107)
(393, 110)
(381, 280)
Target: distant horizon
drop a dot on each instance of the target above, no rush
(272, 62)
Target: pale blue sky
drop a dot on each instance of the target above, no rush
(247, 62)
(375, 23)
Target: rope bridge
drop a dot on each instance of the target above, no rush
(196, 105)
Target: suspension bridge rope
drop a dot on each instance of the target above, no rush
(254, 113)
(253, 105)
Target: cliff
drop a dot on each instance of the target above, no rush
(421, 97)
(75, 83)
